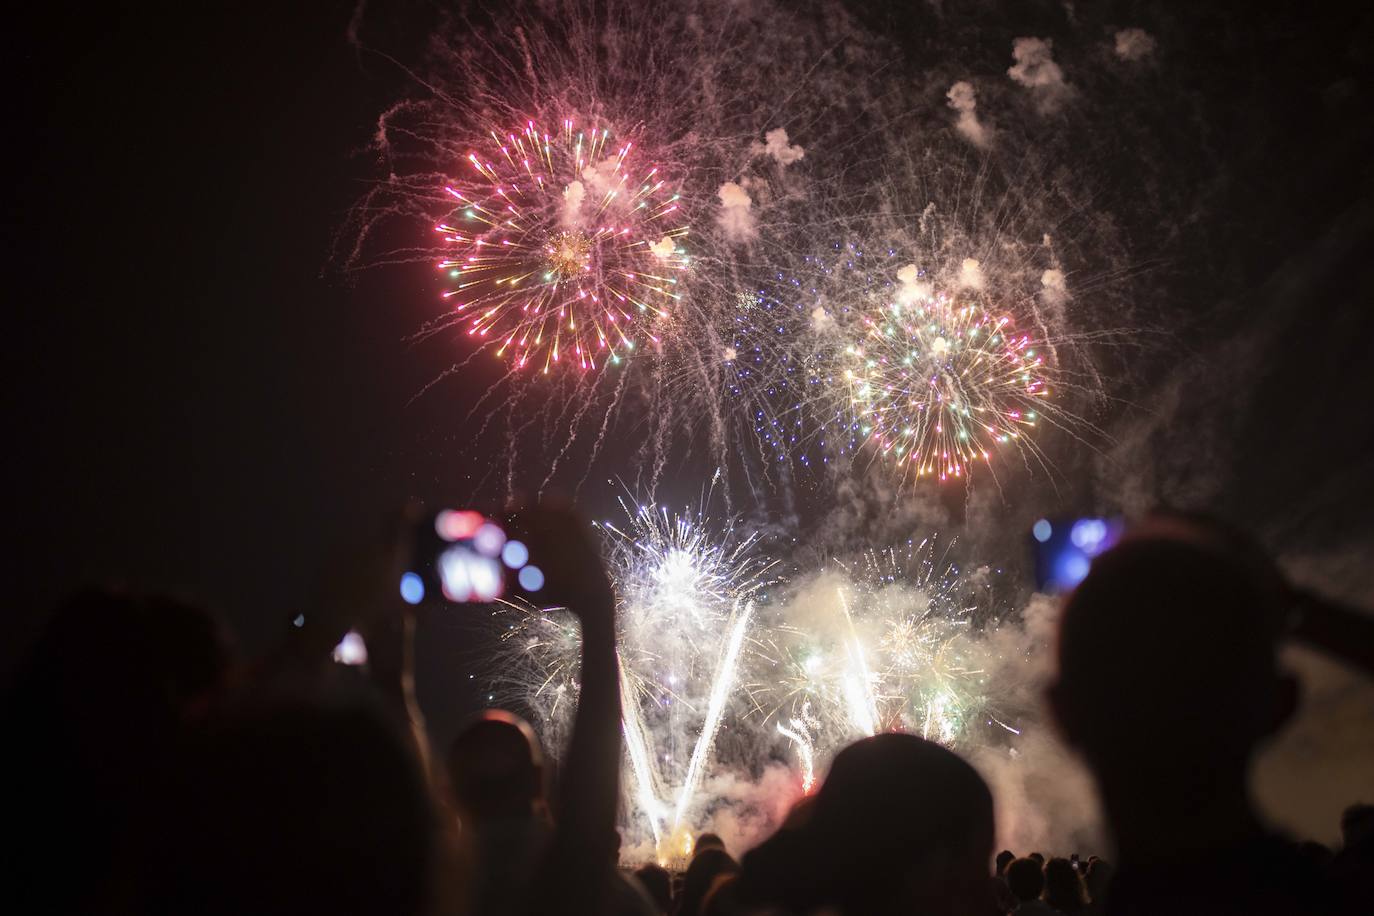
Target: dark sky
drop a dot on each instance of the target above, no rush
(200, 404)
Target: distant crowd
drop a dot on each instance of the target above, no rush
(149, 770)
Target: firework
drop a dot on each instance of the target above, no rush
(860, 351)
(687, 591)
(939, 383)
(563, 246)
(766, 367)
(883, 648)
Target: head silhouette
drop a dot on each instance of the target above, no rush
(92, 719)
(495, 767)
(659, 885)
(1004, 858)
(708, 841)
(1063, 887)
(1357, 824)
(1180, 617)
(1098, 876)
(1026, 879)
(900, 824)
(706, 867)
(301, 804)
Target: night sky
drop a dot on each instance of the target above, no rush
(201, 402)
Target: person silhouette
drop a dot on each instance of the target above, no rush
(1168, 684)
(900, 824)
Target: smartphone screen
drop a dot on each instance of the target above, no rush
(1065, 548)
(462, 556)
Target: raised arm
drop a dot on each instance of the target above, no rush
(575, 875)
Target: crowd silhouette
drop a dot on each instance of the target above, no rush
(152, 772)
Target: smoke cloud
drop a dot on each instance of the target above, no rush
(821, 320)
(1054, 291)
(913, 288)
(573, 195)
(1134, 44)
(970, 274)
(736, 217)
(1036, 70)
(963, 99)
(663, 248)
(776, 145)
(745, 811)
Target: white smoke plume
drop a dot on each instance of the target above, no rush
(776, 145)
(603, 178)
(821, 321)
(573, 195)
(1054, 289)
(1043, 795)
(746, 811)
(1036, 70)
(963, 99)
(736, 217)
(970, 274)
(663, 248)
(1134, 44)
(913, 288)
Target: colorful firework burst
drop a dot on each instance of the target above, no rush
(563, 247)
(938, 382)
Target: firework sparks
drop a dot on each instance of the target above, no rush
(563, 246)
(687, 594)
(805, 751)
(940, 383)
(882, 650)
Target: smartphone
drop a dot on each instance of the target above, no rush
(1065, 547)
(462, 556)
(351, 650)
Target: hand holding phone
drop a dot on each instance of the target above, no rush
(462, 556)
(569, 556)
(1065, 548)
(547, 556)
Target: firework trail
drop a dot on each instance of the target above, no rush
(806, 753)
(687, 591)
(880, 645)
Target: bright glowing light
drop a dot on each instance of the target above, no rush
(457, 526)
(351, 650)
(488, 539)
(412, 588)
(687, 591)
(531, 578)
(1087, 535)
(515, 554)
(1042, 530)
(469, 576)
(939, 383)
(882, 650)
(805, 751)
(564, 246)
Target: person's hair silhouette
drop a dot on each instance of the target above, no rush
(1168, 683)
(900, 824)
(1025, 878)
(496, 767)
